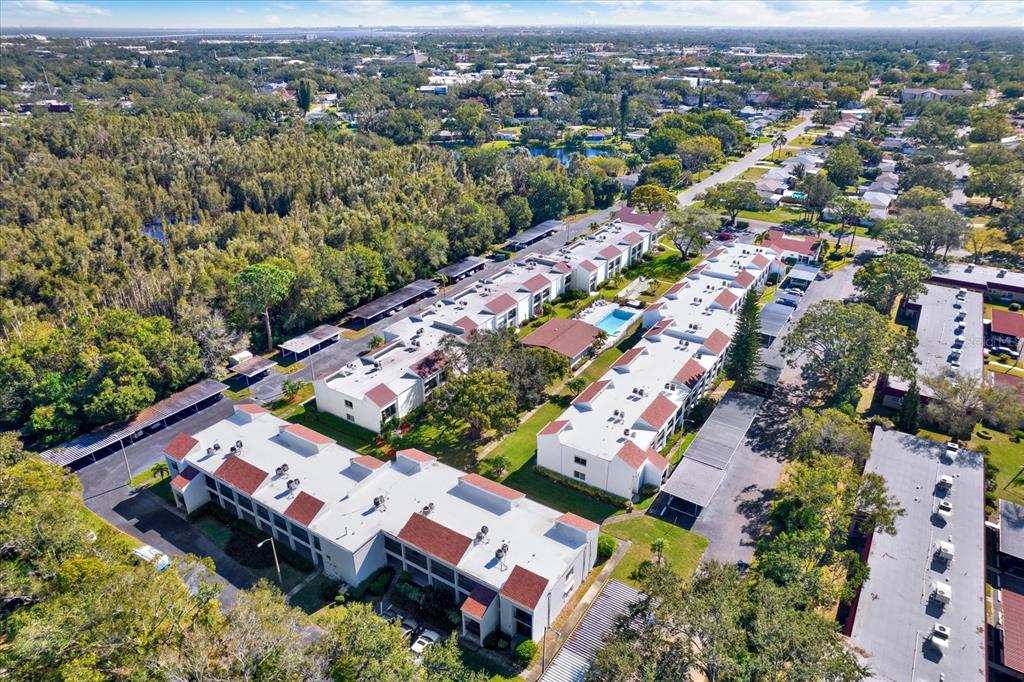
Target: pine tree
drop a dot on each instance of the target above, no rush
(910, 409)
(744, 353)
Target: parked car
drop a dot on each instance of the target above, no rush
(724, 236)
(152, 555)
(786, 301)
(409, 626)
(426, 638)
(1003, 350)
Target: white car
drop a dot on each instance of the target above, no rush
(426, 638)
(152, 555)
(409, 626)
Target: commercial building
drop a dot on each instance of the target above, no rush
(509, 562)
(395, 378)
(611, 434)
(949, 338)
(921, 613)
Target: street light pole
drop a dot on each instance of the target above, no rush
(277, 565)
(126, 465)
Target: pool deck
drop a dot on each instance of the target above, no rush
(599, 310)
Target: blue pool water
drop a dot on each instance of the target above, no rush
(613, 322)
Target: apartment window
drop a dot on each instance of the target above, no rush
(389, 412)
(414, 557)
(524, 622)
(316, 542)
(300, 533)
(211, 484)
(580, 460)
(348, 403)
(262, 511)
(579, 475)
(280, 523)
(472, 627)
(349, 417)
(245, 503)
(442, 571)
(524, 629)
(393, 546)
(466, 584)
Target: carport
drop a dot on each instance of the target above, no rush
(695, 481)
(102, 442)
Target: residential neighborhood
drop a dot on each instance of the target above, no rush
(542, 341)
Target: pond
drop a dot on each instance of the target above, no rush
(562, 154)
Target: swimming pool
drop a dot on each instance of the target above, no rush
(613, 322)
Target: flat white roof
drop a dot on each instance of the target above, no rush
(894, 613)
(347, 489)
(948, 328)
(692, 319)
(978, 275)
(412, 339)
(589, 248)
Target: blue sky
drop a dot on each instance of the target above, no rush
(665, 13)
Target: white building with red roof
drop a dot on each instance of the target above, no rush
(510, 563)
(596, 258)
(801, 249)
(611, 435)
(391, 381)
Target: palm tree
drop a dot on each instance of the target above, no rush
(160, 469)
(778, 142)
(658, 546)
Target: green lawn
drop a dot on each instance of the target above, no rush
(546, 491)
(802, 141)
(351, 436)
(311, 597)
(1007, 457)
(247, 537)
(285, 408)
(520, 445)
(443, 437)
(754, 173)
(682, 552)
(776, 215)
(480, 663)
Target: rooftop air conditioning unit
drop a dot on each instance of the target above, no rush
(945, 551)
(216, 447)
(625, 433)
(945, 482)
(940, 636)
(946, 508)
(293, 484)
(427, 509)
(942, 592)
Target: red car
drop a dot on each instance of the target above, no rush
(724, 236)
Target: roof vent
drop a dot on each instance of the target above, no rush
(209, 452)
(427, 509)
(380, 503)
(216, 447)
(293, 484)
(238, 444)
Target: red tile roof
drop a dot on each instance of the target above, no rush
(610, 252)
(536, 283)
(779, 242)
(1008, 380)
(632, 238)
(477, 602)
(465, 324)
(659, 411)
(633, 455)
(716, 253)
(553, 427)
(568, 337)
(430, 365)
(588, 266)
(478, 481)
(570, 519)
(726, 299)
(524, 587)
(416, 455)
(657, 329)
(676, 288)
(628, 215)
(180, 446)
(435, 539)
(500, 304)
(251, 408)
(381, 395)
(562, 267)
(760, 260)
(690, 373)
(368, 462)
(309, 434)
(628, 357)
(590, 392)
(745, 279)
(1013, 630)
(695, 270)
(717, 342)
(183, 479)
(1008, 323)
(244, 476)
(304, 509)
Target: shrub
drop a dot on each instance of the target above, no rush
(642, 569)
(1014, 307)
(605, 546)
(503, 642)
(376, 584)
(648, 490)
(491, 640)
(743, 224)
(379, 584)
(525, 652)
(329, 590)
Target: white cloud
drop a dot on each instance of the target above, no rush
(51, 8)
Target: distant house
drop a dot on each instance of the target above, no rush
(598, 135)
(507, 135)
(910, 94)
(415, 58)
(570, 338)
